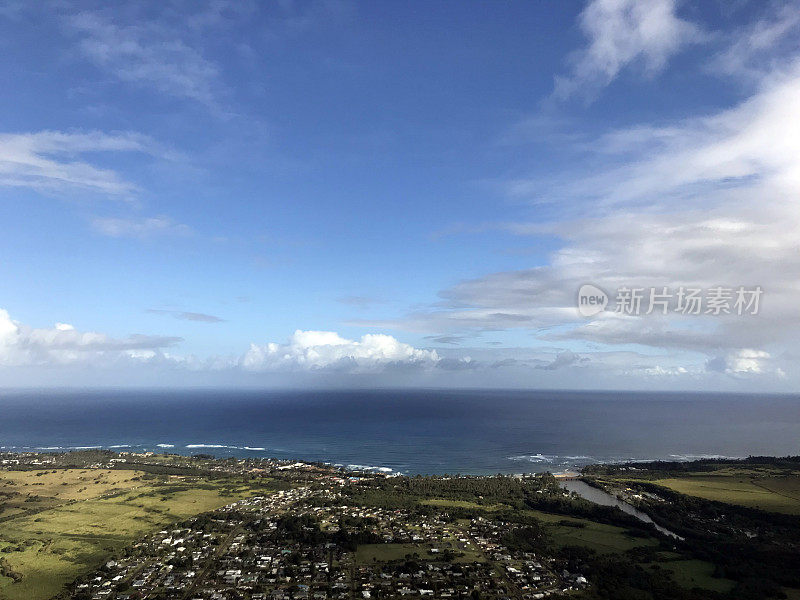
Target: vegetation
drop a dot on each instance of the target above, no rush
(748, 539)
(776, 494)
(739, 521)
(56, 524)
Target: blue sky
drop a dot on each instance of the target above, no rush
(237, 193)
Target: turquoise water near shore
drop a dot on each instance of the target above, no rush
(418, 431)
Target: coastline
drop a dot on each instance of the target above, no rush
(562, 467)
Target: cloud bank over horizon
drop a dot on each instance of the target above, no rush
(53, 356)
(306, 351)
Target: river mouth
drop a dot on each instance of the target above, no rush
(603, 498)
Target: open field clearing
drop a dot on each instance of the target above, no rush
(368, 553)
(58, 525)
(776, 494)
(697, 573)
(574, 531)
(443, 503)
(28, 491)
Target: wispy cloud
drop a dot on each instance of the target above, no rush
(187, 316)
(621, 33)
(147, 54)
(454, 340)
(762, 46)
(711, 202)
(361, 302)
(48, 161)
(139, 227)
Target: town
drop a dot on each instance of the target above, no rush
(309, 542)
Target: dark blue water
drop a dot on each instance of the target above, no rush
(410, 431)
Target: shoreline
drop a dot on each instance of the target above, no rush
(563, 470)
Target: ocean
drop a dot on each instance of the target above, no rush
(410, 432)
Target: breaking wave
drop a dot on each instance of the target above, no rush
(369, 468)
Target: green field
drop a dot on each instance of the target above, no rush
(609, 539)
(442, 503)
(776, 494)
(58, 525)
(27, 491)
(367, 553)
(597, 536)
(697, 573)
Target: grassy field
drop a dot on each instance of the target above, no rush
(776, 494)
(609, 539)
(597, 536)
(442, 503)
(57, 525)
(26, 491)
(367, 553)
(696, 573)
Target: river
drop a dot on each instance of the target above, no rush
(598, 496)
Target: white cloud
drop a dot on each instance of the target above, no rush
(318, 350)
(701, 202)
(48, 161)
(743, 149)
(622, 32)
(567, 358)
(745, 362)
(147, 54)
(305, 352)
(21, 345)
(659, 371)
(762, 46)
(48, 356)
(139, 227)
(187, 316)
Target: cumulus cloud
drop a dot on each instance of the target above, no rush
(48, 355)
(622, 32)
(22, 345)
(744, 362)
(566, 358)
(660, 372)
(308, 352)
(318, 350)
(48, 161)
